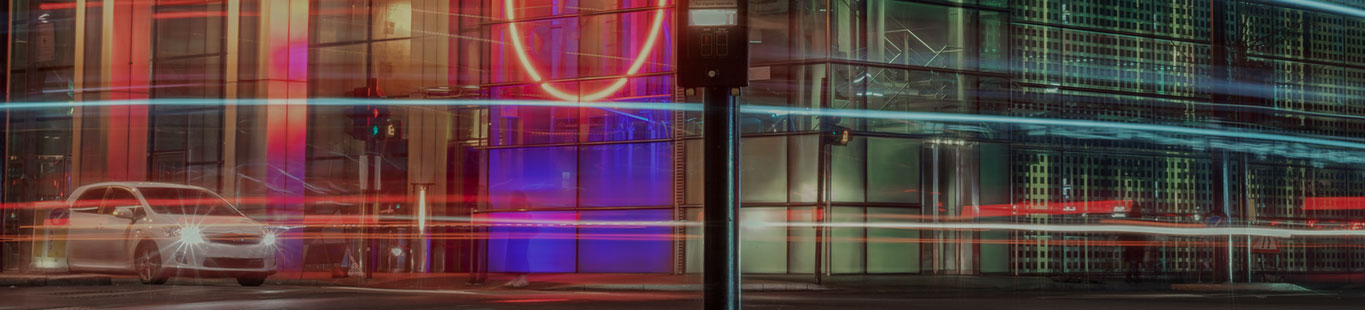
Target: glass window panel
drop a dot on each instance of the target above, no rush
(995, 251)
(531, 248)
(205, 176)
(763, 169)
(397, 71)
(183, 30)
(811, 33)
(692, 243)
(204, 135)
(620, 175)
(802, 168)
(993, 50)
(524, 9)
(801, 249)
(693, 179)
(603, 248)
(769, 31)
(339, 20)
(336, 69)
(612, 124)
(168, 167)
(199, 77)
(168, 131)
(760, 240)
(848, 165)
(549, 45)
(995, 173)
(610, 44)
(907, 34)
(512, 125)
(392, 19)
(892, 250)
(542, 177)
(893, 170)
(847, 244)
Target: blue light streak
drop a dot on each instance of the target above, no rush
(747, 109)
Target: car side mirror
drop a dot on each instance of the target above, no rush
(126, 212)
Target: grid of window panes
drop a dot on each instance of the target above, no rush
(567, 163)
(187, 62)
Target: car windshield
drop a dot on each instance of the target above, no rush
(166, 200)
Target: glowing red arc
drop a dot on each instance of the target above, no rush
(615, 86)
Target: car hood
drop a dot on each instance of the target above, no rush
(217, 224)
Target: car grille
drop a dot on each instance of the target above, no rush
(235, 238)
(226, 262)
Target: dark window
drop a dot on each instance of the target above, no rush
(89, 202)
(118, 197)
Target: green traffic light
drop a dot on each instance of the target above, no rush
(374, 130)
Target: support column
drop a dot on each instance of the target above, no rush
(126, 53)
(276, 136)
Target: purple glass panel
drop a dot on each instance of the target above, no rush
(527, 242)
(624, 175)
(541, 177)
(631, 247)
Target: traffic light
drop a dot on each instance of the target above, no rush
(371, 122)
(834, 134)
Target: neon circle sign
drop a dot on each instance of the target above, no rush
(635, 65)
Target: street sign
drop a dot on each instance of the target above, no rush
(713, 44)
(58, 217)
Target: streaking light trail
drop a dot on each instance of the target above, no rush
(1230, 133)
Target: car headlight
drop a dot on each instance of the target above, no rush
(268, 239)
(187, 235)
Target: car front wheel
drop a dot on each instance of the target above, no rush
(148, 263)
(251, 280)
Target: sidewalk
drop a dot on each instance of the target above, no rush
(693, 282)
(16, 280)
(923, 284)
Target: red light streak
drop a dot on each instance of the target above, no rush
(1054, 208)
(1333, 203)
(532, 300)
(67, 5)
(194, 14)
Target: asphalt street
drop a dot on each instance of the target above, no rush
(227, 295)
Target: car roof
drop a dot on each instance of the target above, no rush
(143, 185)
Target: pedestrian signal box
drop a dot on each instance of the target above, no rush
(713, 43)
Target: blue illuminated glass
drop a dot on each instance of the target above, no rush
(636, 246)
(530, 242)
(542, 177)
(623, 175)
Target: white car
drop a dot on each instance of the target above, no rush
(159, 230)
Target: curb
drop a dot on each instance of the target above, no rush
(55, 280)
(759, 287)
(1223, 287)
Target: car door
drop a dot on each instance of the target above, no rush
(116, 250)
(81, 228)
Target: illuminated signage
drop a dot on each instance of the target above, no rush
(639, 60)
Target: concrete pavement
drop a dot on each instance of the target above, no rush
(692, 282)
(225, 294)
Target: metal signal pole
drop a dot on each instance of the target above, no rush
(721, 228)
(713, 55)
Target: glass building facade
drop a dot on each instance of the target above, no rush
(1012, 113)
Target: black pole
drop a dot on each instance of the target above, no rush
(822, 175)
(721, 226)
